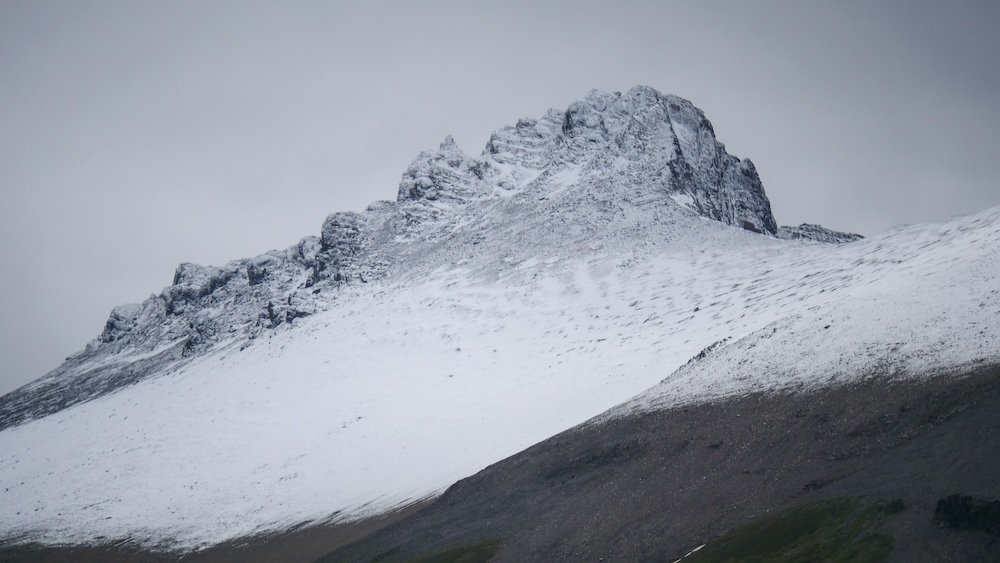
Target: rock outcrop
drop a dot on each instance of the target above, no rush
(808, 231)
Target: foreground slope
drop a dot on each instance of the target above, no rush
(578, 261)
(651, 487)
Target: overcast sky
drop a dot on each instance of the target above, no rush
(137, 135)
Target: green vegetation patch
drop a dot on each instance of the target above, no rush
(836, 531)
(478, 553)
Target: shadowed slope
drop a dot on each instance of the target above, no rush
(653, 486)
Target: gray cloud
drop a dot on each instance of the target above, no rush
(139, 135)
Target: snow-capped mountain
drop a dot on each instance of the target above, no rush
(605, 167)
(574, 264)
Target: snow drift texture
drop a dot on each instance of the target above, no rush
(578, 261)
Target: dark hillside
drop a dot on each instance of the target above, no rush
(655, 486)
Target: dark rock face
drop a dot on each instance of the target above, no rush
(808, 231)
(445, 174)
(723, 187)
(663, 141)
(339, 245)
(121, 321)
(674, 141)
(192, 283)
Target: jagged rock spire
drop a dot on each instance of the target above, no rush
(668, 143)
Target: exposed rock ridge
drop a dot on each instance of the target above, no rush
(808, 231)
(663, 141)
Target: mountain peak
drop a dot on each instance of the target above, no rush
(448, 145)
(665, 141)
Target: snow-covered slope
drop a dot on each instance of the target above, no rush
(921, 301)
(578, 261)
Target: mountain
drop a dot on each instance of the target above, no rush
(609, 256)
(580, 170)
